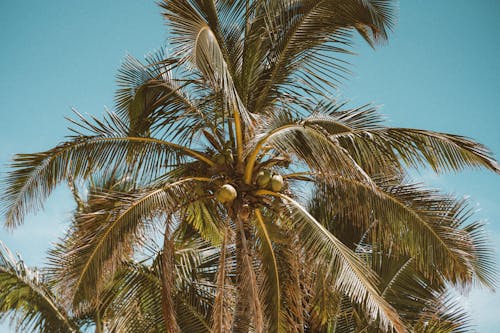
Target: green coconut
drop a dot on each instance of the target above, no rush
(226, 193)
(263, 178)
(277, 183)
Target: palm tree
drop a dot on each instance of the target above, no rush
(233, 141)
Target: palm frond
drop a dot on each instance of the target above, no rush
(483, 260)
(402, 285)
(34, 176)
(308, 64)
(27, 299)
(352, 277)
(418, 222)
(311, 146)
(136, 290)
(134, 295)
(197, 39)
(154, 101)
(272, 277)
(203, 215)
(103, 238)
(445, 314)
(441, 151)
(361, 133)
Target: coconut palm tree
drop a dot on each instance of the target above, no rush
(233, 140)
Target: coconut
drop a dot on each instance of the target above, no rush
(226, 193)
(277, 183)
(263, 178)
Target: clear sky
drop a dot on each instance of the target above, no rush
(440, 71)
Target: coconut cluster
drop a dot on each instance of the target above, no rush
(267, 179)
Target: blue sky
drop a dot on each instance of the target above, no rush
(439, 71)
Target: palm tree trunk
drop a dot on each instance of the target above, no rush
(248, 308)
(241, 320)
(167, 282)
(222, 311)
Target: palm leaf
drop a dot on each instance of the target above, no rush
(102, 239)
(423, 224)
(153, 100)
(197, 42)
(310, 145)
(360, 132)
(352, 276)
(136, 289)
(204, 217)
(26, 297)
(312, 62)
(34, 176)
(270, 267)
(444, 314)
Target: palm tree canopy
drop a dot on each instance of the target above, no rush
(302, 205)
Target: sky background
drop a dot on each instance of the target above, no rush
(439, 71)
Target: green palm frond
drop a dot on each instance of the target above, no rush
(335, 118)
(136, 290)
(360, 132)
(27, 299)
(480, 248)
(197, 39)
(154, 100)
(205, 218)
(104, 237)
(271, 275)
(311, 146)
(444, 314)
(133, 297)
(442, 152)
(403, 286)
(191, 313)
(427, 226)
(313, 62)
(34, 176)
(348, 273)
